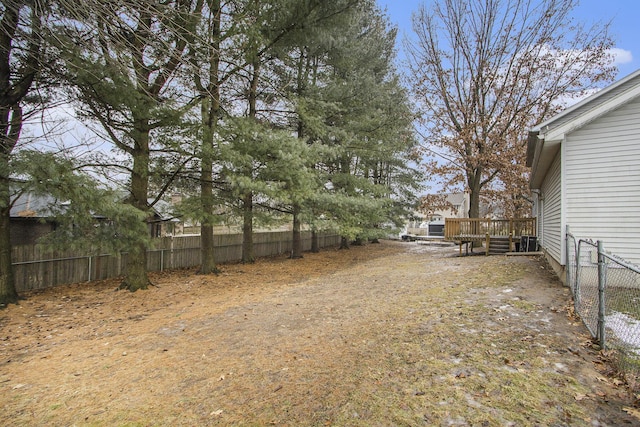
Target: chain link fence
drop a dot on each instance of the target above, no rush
(606, 291)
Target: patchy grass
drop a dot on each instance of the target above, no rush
(391, 334)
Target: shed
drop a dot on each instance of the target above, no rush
(585, 172)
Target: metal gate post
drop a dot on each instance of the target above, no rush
(577, 297)
(602, 279)
(567, 264)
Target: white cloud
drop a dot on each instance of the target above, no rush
(621, 56)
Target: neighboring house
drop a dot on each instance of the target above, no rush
(163, 222)
(585, 173)
(429, 221)
(455, 205)
(31, 219)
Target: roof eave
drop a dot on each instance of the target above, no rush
(545, 152)
(587, 100)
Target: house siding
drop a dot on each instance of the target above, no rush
(552, 211)
(609, 95)
(602, 181)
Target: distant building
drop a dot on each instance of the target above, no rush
(162, 221)
(32, 217)
(448, 205)
(429, 219)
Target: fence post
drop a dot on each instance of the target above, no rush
(577, 279)
(602, 278)
(89, 274)
(488, 242)
(512, 234)
(173, 258)
(567, 264)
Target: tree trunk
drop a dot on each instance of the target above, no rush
(17, 74)
(136, 273)
(474, 196)
(247, 229)
(296, 251)
(11, 130)
(209, 111)
(247, 200)
(474, 201)
(8, 294)
(207, 249)
(344, 243)
(315, 245)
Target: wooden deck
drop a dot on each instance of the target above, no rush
(492, 232)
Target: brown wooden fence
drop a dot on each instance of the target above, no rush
(37, 268)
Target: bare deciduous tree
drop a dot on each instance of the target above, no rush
(486, 70)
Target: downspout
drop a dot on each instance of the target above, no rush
(539, 214)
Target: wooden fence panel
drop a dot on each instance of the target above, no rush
(35, 267)
(105, 266)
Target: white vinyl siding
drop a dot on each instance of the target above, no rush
(552, 234)
(602, 181)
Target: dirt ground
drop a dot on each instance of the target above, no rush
(391, 334)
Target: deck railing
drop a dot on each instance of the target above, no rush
(471, 229)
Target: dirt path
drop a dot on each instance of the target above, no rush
(390, 334)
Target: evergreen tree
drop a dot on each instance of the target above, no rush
(205, 58)
(271, 33)
(121, 58)
(88, 215)
(22, 60)
(369, 126)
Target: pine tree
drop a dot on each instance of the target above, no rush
(369, 126)
(271, 33)
(205, 58)
(120, 59)
(21, 54)
(88, 216)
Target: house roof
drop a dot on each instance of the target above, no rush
(452, 198)
(164, 211)
(445, 201)
(456, 198)
(28, 205)
(545, 138)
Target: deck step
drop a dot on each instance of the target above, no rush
(498, 245)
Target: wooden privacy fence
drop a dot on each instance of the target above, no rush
(37, 268)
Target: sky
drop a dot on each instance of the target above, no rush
(623, 14)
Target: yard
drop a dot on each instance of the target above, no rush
(388, 334)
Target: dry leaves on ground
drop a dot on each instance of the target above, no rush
(389, 334)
